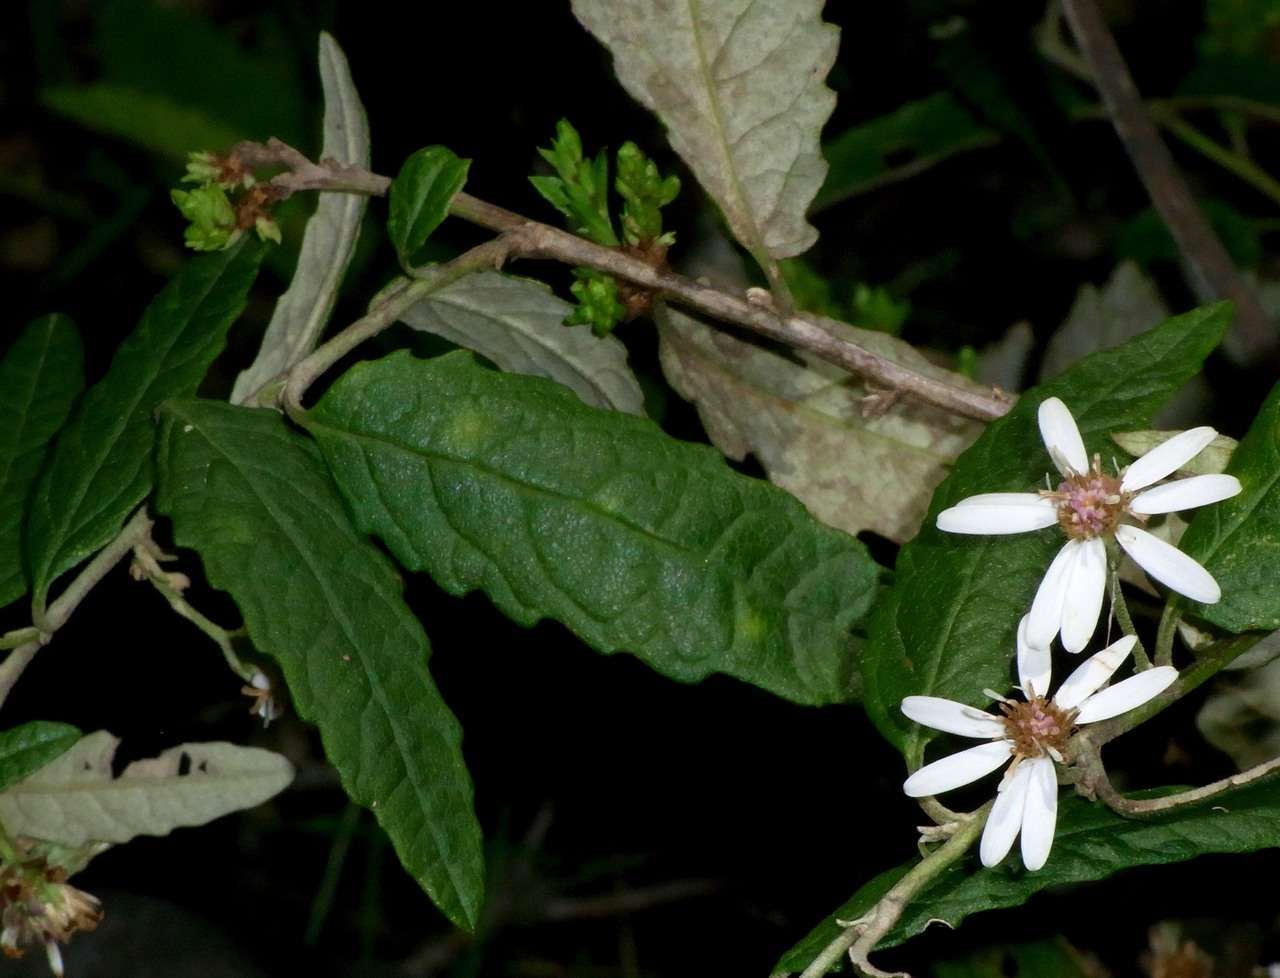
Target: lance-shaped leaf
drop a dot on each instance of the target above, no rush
(948, 626)
(77, 799)
(420, 196)
(40, 377)
(329, 240)
(1238, 539)
(1091, 843)
(519, 325)
(804, 421)
(741, 88)
(27, 748)
(597, 519)
(101, 465)
(255, 501)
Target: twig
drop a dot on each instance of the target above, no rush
(1244, 168)
(532, 239)
(1213, 274)
(860, 937)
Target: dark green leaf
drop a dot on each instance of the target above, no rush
(256, 503)
(40, 377)
(420, 199)
(948, 626)
(26, 749)
(904, 142)
(1238, 539)
(1092, 843)
(597, 519)
(101, 467)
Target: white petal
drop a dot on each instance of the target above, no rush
(1062, 437)
(1167, 457)
(1034, 665)
(958, 769)
(1094, 673)
(952, 717)
(1168, 565)
(1006, 817)
(1045, 618)
(1040, 814)
(1085, 591)
(1012, 498)
(1028, 512)
(1127, 694)
(1199, 490)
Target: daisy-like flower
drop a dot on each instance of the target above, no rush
(1032, 733)
(1091, 506)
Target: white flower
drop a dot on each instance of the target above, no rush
(1090, 506)
(1033, 733)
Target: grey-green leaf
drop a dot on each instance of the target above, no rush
(101, 464)
(803, 419)
(255, 501)
(420, 197)
(329, 240)
(77, 799)
(519, 325)
(40, 377)
(597, 519)
(27, 748)
(1091, 843)
(948, 626)
(741, 88)
(1238, 539)
(1212, 459)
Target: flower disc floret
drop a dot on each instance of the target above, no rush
(1037, 726)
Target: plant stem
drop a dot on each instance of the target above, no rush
(533, 239)
(1166, 632)
(19, 636)
(860, 938)
(1120, 609)
(1245, 169)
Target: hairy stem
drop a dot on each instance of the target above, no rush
(532, 239)
(1165, 633)
(860, 937)
(1120, 608)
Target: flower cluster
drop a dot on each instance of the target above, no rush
(38, 907)
(1030, 734)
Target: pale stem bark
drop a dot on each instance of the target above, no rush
(532, 239)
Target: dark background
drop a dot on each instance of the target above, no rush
(762, 815)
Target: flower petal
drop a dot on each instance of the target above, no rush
(1085, 590)
(1028, 511)
(952, 717)
(1199, 490)
(1094, 673)
(1167, 457)
(1045, 619)
(958, 769)
(1034, 665)
(1006, 817)
(1127, 694)
(1168, 565)
(1062, 437)
(1013, 498)
(1040, 814)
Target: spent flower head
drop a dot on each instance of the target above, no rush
(1091, 506)
(1032, 733)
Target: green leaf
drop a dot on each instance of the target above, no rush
(101, 468)
(518, 323)
(40, 377)
(1091, 843)
(152, 121)
(26, 749)
(741, 88)
(329, 240)
(420, 199)
(948, 626)
(1238, 539)
(1214, 458)
(901, 144)
(597, 519)
(255, 501)
(580, 188)
(77, 799)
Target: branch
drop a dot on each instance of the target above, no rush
(532, 239)
(1212, 271)
(861, 936)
